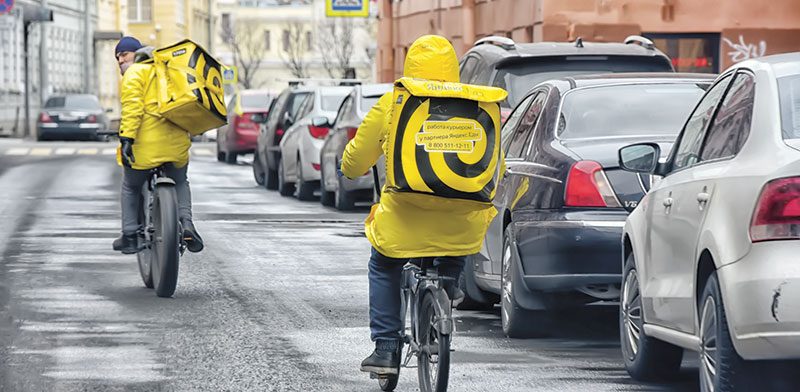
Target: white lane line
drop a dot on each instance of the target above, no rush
(87, 151)
(17, 151)
(65, 151)
(202, 152)
(109, 151)
(41, 151)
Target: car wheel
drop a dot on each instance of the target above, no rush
(646, 358)
(325, 196)
(284, 188)
(342, 199)
(517, 321)
(231, 158)
(466, 282)
(258, 170)
(721, 367)
(305, 189)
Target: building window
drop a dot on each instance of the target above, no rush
(180, 12)
(286, 39)
(690, 52)
(140, 11)
(309, 44)
(267, 40)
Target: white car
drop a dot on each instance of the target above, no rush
(711, 253)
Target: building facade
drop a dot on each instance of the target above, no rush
(699, 35)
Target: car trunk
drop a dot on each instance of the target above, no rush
(67, 115)
(629, 187)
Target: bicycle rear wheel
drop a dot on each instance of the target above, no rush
(145, 256)
(166, 241)
(433, 359)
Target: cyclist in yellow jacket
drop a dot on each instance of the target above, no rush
(407, 224)
(148, 141)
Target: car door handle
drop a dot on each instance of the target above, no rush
(702, 197)
(667, 202)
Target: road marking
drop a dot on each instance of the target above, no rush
(41, 151)
(17, 151)
(87, 151)
(65, 151)
(202, 152)
(109, 151)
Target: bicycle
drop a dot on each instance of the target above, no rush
(430, 331)
(160, 240)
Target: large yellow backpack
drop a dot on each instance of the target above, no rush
(444, 139)
(190, 92)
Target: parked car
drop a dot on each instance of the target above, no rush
(555, 242)
(516, 67)
(239, 135)
(282, 115)
(72, 117)
(710, 254)
(299, 165)
(342, 192)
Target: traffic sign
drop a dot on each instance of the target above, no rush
(230, 75)
(6, 6)
(353, 8)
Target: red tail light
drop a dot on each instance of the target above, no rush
(588, 186)
(351, 133)
(777, 215)
(92, 118)
(318, 132)
(504, 113)
(243, 122)
(45, 118)
(316, 166)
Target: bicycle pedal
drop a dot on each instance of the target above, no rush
(376, 376)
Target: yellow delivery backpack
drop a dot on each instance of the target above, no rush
(444, 139)
(190, 87)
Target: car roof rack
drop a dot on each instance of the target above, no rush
(639, 40)
(503, 42)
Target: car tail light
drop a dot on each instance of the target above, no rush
(243, 122)
(318, 132)
(504, 113)
(588, 186)
(316, 166)
(351, 133)
(45, 118)
(92, 118)
(777, 214)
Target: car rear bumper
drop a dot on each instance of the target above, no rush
(761, 295)
(569, 250)
(85, 131)
(242, 142)
(361, 183)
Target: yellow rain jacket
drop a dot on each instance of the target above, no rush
(409, 224)
(156, 140)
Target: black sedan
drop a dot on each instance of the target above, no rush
(555, 242)
(72, 117)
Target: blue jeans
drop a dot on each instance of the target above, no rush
(385, 296)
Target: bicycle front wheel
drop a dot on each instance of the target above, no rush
(166, 241)
(145, 255)
(434, 349)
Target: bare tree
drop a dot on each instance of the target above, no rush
(249, 49)
(334, 44)
(293, 49)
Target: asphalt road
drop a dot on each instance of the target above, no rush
(276, 302)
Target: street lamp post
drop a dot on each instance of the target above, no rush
(31, 14)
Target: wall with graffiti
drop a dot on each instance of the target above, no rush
(743, 44)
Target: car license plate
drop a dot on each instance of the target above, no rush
(67, 117)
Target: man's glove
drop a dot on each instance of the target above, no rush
(126, 150)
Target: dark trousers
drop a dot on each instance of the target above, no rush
(132, 182)
(385, 296)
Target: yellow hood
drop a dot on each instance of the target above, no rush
(431, 57)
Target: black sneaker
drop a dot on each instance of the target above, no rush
(193, 240)
(127, 244)
(385, 360)
(454, 292)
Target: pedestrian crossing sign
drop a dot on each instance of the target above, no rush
(230, 74)
(351, 8)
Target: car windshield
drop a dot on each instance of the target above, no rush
(332, 100)
(258, 102)
(368, 102)
(84, 102)
(627, 110)
(789, 90)
(518, 79)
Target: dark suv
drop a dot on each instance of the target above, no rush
(281, 116)
(500, 62)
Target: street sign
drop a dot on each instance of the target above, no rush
(351, 8)
(230, 74)
(6, 6)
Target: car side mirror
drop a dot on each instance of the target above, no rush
(640, 158)
(258, 118)
(320, 121)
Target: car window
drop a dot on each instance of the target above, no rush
(344, 109)
(73, 102)
(511, 123)
(731, 125)
(368, 102)
(467, 68)
(332, 100)
(688, 149)
(789, 91)
(306, 107)
(258, 102)
(55, 102)
(295, 102)
(524, 130)
(274, 116)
